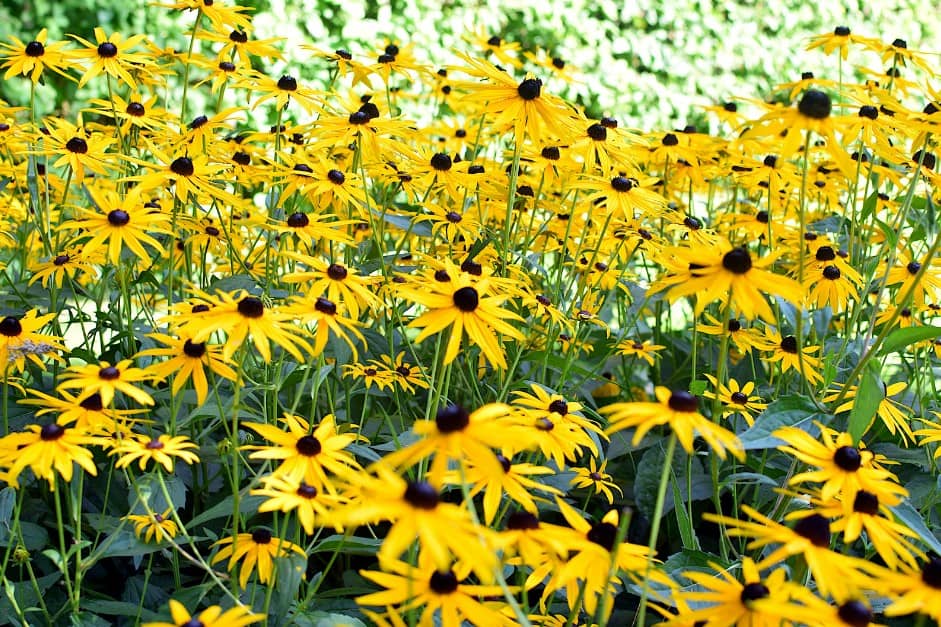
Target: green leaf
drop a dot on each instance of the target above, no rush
(348, 545)
(871, 392)
(247, 505)
(788, 411)
(648, 479)
(902, 338)
(324, 619)
(910, 517)
(290, 572)
(683, 520)
(117, 608)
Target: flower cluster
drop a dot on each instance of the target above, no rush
(501, 362)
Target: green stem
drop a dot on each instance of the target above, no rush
(655, 525)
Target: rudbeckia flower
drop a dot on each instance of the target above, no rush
(679, 410)
(441, 593)
(465, 306)
(105, 379)
(186, 361)
(160, 449)
(34, 57)
(306, 453)
(732, 276)
(153, 527)
(112, 55)
(257, 551)
(212, 616)
(313, 507)
(48, 450)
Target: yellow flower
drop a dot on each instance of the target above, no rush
(313, 507)
(154, 527)
(187, 360)
(161, 450)
(112, 56)
(106, 379)
(33, 58)
(679, 410)
(212, 616)
(257, 551)
(47, 450)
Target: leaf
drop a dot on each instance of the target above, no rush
(247, 505)
(648, 479)
(421, 229)
(683, 521)
(117, 608)
(290, 572)
(871, 392)
(901, 338)
(907, 513)
(788, 411)
(320, 618)
(348, 545)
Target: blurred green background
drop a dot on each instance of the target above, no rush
(652, 64)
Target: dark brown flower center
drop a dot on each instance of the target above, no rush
(789, 344)
(443, 583)
(623, 184)
(597, 132)
(118, 217)
(336, 272)
(441, 162)
(815, 104)
(306, 491)
(298, 220)
(308, 446)
(529, 89)
(287, 83)
(109, 373)
(92, 403)
(815, 528)
(194, 350)
(738, 398)
(866, 503)
(832, 273)
(737, 261)
(182, 166)
(77, 145)
(51, 431)
(521, 521)
(683, 401)
(466, 299)
(559, 406)
(603, 534)
(35, 49)
(848, 458)
(421, 495)
(754, 591)
(931, 573)
(154, 445)
(261, 536)
(452, 418)
(855, 613)
(251, 307)
(325, 306)
(10, 327)
(107, 50)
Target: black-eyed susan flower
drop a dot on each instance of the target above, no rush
(894, 415)
(162, 449)
(70, 263)
(736, 398)
(89, 413)
(241, 316)
(919, 590)
(465, 306)
(517, 480)
(519, 105)
(119, 222)
(77, 148)
(596, 479)
(840, 40)
(834, 573)
(324, 314)
(731, 275)
(212, 616)
(459, 435)
(680, 411)
(784, 350)
(49, 451)
(105, 379)
(186, 360)
(645, 350)
(35, 56)
(154, 527)
(443, 530)
(336, 282)
(441, 593)
(307, 454)
(313, 507)
(20, 340)
(842, 468)
(257, 552)
(112, 55)
(590, 567)
(757, 601)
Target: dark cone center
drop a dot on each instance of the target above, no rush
(737, 261)
(848, 458)
(308, 446)
(421, 495)
(298, 220)
(10, 327)
(559, 406)
(287, 83)
(77, 145)
(855, 613)
(443, 583)
(832, 273)
(35, 49)
(441, 162)
(754, 591)
(336, 272)
(261, 536)
(251, 307)
(815, 104)
(530, 89)
(325, 306)
(683, 401)
(815, 528)
(182, 166)
(107, 50)
(603, 534)
(194, 350)
(466, 299)
(51, 432)
(109, 373)
(452, 418)
(521, 521)
(622, 184)
(306, 491)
